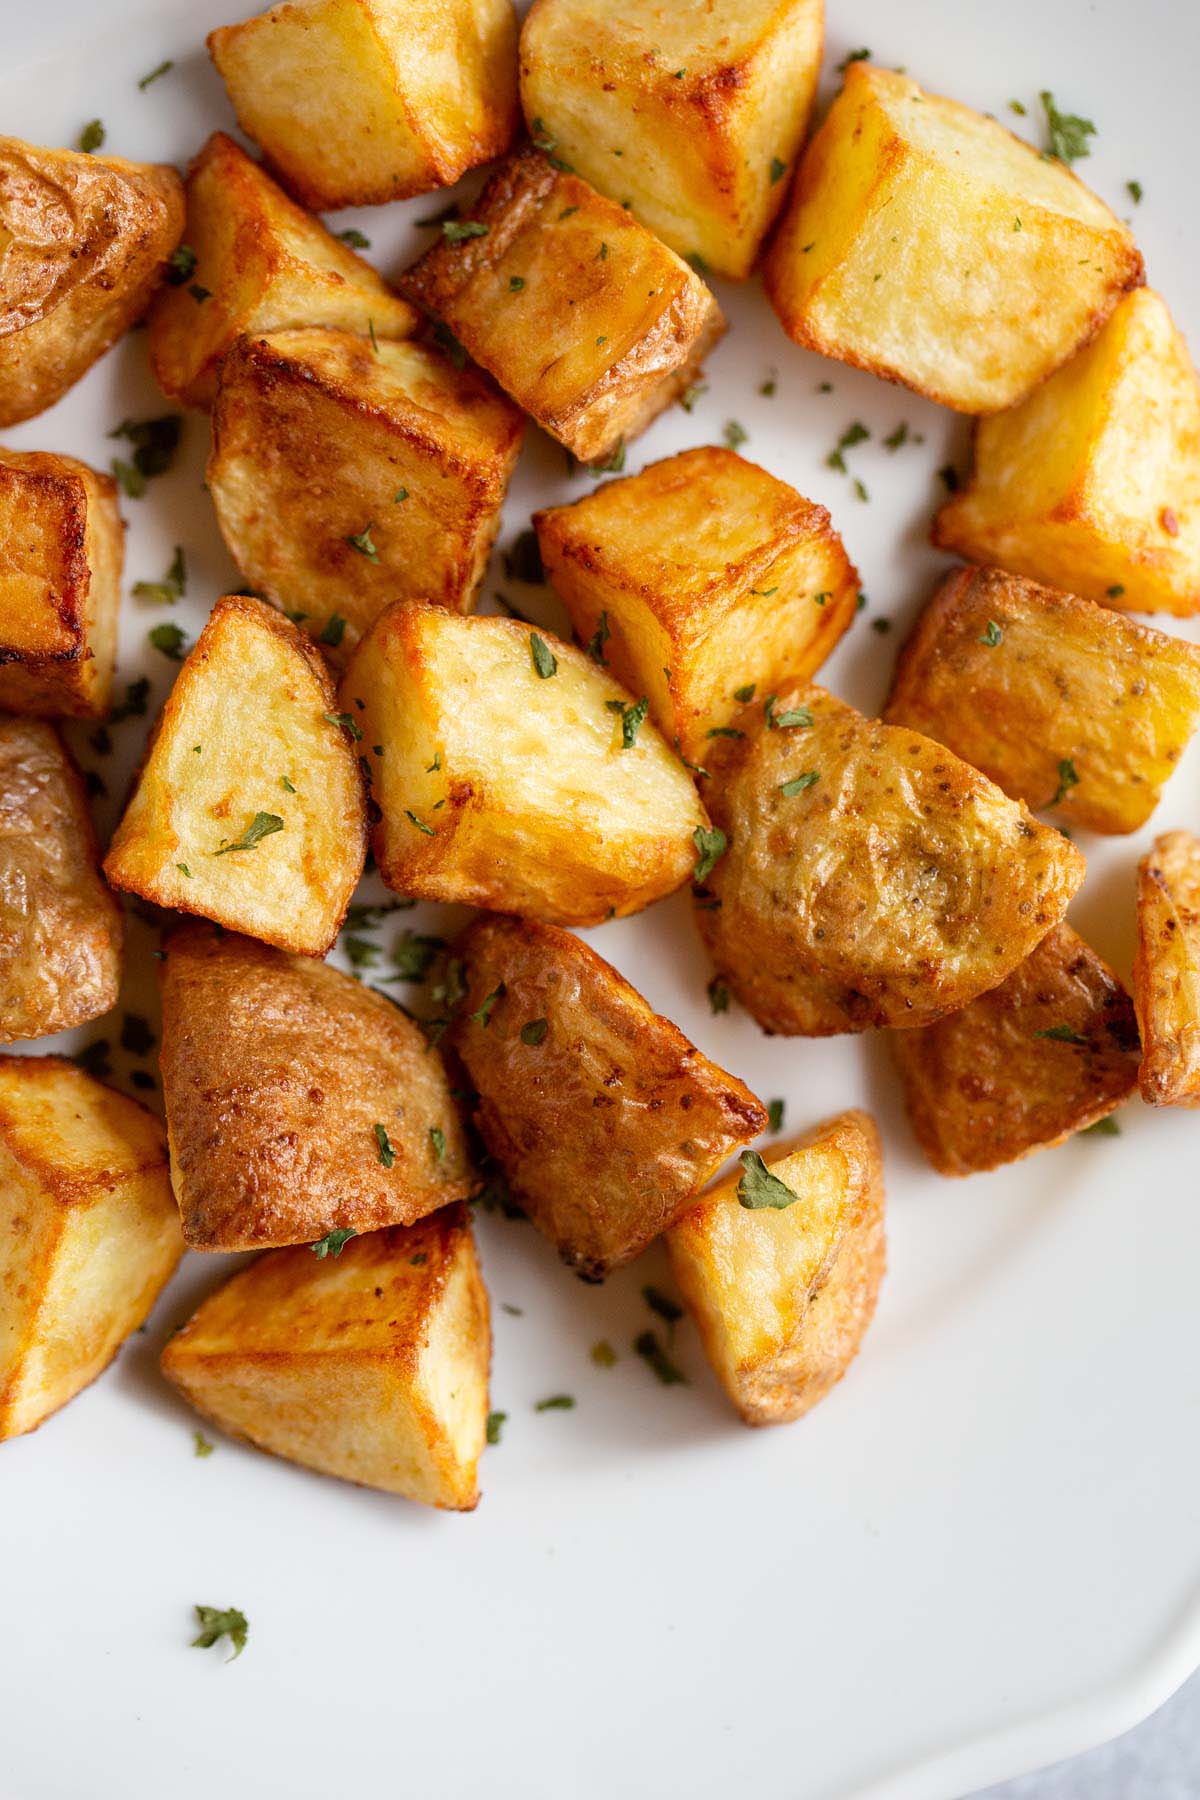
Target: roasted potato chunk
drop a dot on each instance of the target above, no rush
(355, 102)
(708, 103)
(89, 1233)
(260, 263)
(782, 1290)
(871, 878)
(249, 807)
(61, 552)
(346, 476)
(512, 773)
(927, 244)
(369, 1363)
(604, 1118)
(1093, 484)
(704, 583)
(84, 241)
(1061, 702)
(1166, 970)
(1050, 1051)
(590, 323)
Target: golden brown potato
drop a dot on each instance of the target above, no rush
(925, 243)
(511, 772)
(707, 102)
(1093, 484)
(84, 241)
(590, 323)
(346, 476)
(249, 806)
(355, 102)
(89, 1233)
(61, 552)
(710, 584)
(871, 877)
(1050, 1051)
(369, 1363)
(260, 263)
(1061, 702)
(782, 1290)
(603, 1117)
(1166, 970)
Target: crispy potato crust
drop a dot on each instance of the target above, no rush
(1166, 970)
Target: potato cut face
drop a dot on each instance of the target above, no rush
(503, 788)
(89, 1232)
(1166, 970)
(370, 1363)
(603, 1117)
(871, 877)
(711, 586)
(782, 1297)
(84, 241)
(248, 808)
(262, 263)
(1061, 702)
(926, 243)
(1093, 484)
(590, 323)
(356, 102)
(346, 477)
(1049, 1052)
(707, 103)
(62, 546)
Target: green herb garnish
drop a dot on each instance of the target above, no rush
(92, 136)
(652, 1353)
(1068, 134)
(483, 1013)
(798, 783)
(216, 1622)
(387, 1155)
(495, 1425)
(775, 1112)
(456, 231)
(533, 1032)
(363, 543)
(758, 1188)
(543, 658)
(710, 847)
(1062, 1034)
(1067, 779)
(556, 1403)
(170, 588)
(169, 639)
(334, 1242)
(335, 628)
(992, 635)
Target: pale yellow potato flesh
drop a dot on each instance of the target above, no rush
(1166, 970)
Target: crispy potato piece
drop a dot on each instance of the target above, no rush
(346, 476)
(603, 1117)
(871, 877)
(60, 928)
(62, 546)
(713, 581)
(261, 263)
(590, 323)
(89, 1232)
(1094, 483)
(84, 241)
(1050, 1051)
(927, 244)
(501, 788)
(1166, 970)
(249, 807)
(1061, 702)
(783, 1296)
(370, 1364)
(708, 103)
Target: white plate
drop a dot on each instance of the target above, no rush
(979, 1554)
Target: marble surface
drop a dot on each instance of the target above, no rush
(1158, 1760)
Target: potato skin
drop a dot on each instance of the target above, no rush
(607, 1126)
(1166, 970)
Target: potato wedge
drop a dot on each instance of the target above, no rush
(1049, 1052)
(707, 102)
(346, 476)
(261, 263)
(590, 323)
(1093, 484)
(89, 1232)
(705, 583)
(84, 242)
(523, 785)
(604, 1118)
(249, 807)
(927, 244)
(871, 877)
(1060, 702)
(783, 1291)
(62, 546)
(1166, 970)
(370, 1363)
